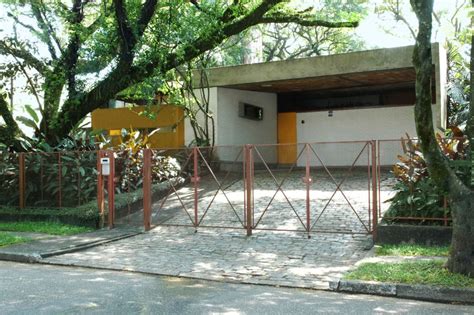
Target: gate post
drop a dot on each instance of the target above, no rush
(21, 179)
(100, 188)
(147, 179)
(374, 190)
(308, 180)
(111, 189)
(248, 188)
(195, 180)
(60, 184)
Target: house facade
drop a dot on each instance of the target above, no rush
(358, 96)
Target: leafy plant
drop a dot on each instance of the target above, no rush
(129, 161)
(8, 178)
(421, 199)
(417, 195)
(63, 175)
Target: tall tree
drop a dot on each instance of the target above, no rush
(461, 196)
(283, 42)
(98, 48)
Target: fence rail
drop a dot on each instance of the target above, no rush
(283, 187)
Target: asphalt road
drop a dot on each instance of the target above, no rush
(44, 289)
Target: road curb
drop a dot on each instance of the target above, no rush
(21, 257)
(33, 257)
(86, 245)
(406, 291)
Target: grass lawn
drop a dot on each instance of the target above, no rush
(8, 239)
(419, 272)
(411, 250)
(43, 227)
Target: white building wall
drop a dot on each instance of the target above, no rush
(235, 130)
(353, 125)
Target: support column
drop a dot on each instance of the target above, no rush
(249, 187)
(147, 181)
(374, 190)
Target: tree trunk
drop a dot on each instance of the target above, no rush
(470, 121)
(461, 258)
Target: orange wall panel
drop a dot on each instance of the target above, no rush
(287, 154)
(112, 119)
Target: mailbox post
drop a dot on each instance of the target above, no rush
(107, 171)
(105, 164)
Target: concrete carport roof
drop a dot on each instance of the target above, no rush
(389, 67)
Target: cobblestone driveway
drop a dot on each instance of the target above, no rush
(279, 201)
(277, 258)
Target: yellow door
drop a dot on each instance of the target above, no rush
(287, 134)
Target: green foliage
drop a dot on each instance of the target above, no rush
(68, 169)
(85, 215)
(421, 199)
(8, 178)
(420, 272)
(109, 46)
(69, 176)
(46, 227)
(7, 239)
(411, 250)
(129, 161)
(417, 194)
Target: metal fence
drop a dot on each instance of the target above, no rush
(296, 187)
(341, 187)
(40, 179)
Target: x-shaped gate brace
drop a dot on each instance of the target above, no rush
(195, 179)
(338, 186)
(248, 178)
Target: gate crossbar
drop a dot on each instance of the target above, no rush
(338, 186)
(279, 187)
(248, 196)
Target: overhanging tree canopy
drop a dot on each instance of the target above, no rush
(98, 48)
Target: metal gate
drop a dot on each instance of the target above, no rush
(328, 187)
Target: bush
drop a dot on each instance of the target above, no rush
(422, 199)
(84, 215)
(417, 195)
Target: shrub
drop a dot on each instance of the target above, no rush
(417, 195)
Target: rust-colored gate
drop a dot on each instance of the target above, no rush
(328, 187)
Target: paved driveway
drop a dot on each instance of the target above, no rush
(267, 257)
(276, 258)
(339, 201)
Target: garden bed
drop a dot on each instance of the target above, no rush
(87, 214)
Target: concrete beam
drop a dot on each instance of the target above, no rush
(355, 62)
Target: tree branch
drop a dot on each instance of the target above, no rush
(125, 32)
(125, 74)
(11, 127)
(45, 28)
(146, 14)
(304, 19)
(26, 56)
(30, 82)
(71, 54)
(52, 31)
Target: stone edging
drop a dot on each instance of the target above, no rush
(406, 291)
(37, 257)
